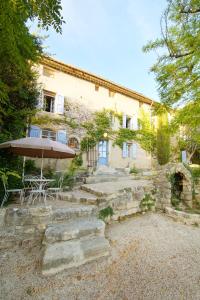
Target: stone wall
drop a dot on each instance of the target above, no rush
(127, 201)
(186, 218)
(163, 184)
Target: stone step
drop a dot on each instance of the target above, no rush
(68, 254)
(107, 188)
(107, 178)
(74, 229)
(71, 213)
(79, 196)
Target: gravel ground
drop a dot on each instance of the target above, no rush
(152, 257)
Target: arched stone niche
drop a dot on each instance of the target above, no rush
(179, 173)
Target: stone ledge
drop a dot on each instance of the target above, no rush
(186, 218)
(69, 254)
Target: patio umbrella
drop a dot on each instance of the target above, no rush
(38, 147)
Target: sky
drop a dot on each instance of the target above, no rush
(106, 37)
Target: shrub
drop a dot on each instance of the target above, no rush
(147, 203)
(134, 170)
(105, 213)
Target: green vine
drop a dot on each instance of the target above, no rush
(124, 135)
(95, 129)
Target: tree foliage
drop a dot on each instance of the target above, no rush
(177, 67)
(19, 51)
(163, 139)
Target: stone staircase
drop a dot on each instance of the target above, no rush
(75, 237)
(108, 174)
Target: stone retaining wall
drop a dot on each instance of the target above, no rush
(186, 218)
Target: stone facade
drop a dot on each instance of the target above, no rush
(81, 94)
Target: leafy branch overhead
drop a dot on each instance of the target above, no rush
(178, 64)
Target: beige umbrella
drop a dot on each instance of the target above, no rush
(38, 147)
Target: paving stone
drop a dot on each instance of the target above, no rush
(68, 254)
(62, 214)
(74, 229)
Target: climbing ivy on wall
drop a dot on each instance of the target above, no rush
(95, 129)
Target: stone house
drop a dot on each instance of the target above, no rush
(72, 93)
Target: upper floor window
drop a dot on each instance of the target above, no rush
(53, 103)
(130, 122)
(73, 143)
(49, 101)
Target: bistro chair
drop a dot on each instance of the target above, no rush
(54, 191)
(9, 191)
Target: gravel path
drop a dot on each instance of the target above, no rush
(152, 257)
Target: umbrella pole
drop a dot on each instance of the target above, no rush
(23, 171)
(41, 174)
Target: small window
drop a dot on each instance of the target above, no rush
(111, 94)
(48, 72)
(49, 102)
(73, 143)
(49, 134)
(96, 87)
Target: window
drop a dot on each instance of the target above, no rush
(49, 101)
(130, 122)
(73, 143)
(49, 134)
(129, 150)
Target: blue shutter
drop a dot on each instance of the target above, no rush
(184, 156)
(134, 150)
(124, 121)
(34, 131)
(124, 150)
(62, 136)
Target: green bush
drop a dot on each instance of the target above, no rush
(134, 170)
(106, 212)
(147, 203)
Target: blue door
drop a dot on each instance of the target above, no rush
(103, 153)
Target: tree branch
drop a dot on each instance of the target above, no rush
(190, 11)
(181, 55)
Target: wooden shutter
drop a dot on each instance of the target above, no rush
(135, 123)
(124, 150)
(132, 123)
(184, 156)
(62, 136)
(59, 104)
(124, 121)
(34, 131)
(40, 104)
(134, 150)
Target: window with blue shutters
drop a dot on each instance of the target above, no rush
(62, 136)
(34, 131)
(124, 150)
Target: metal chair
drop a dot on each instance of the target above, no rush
(9, 191)
(55, 190)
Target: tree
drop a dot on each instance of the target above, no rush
(19, 51)
(188, 125)
(177, 67)
(163, 139)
